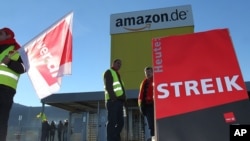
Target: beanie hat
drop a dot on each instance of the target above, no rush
(11, 40)
(9, 32)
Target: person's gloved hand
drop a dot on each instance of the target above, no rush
(141, 108)
(6, 60)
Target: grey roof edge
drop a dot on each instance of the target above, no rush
(83, 96)
(247, 85)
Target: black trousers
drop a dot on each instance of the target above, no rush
(149, 114)
(59, 135)
(115, 121)
(6, 101)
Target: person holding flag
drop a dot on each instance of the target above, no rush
(11, 67)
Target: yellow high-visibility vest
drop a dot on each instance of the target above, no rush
(117, 86)
(9, 77)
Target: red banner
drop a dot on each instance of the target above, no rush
(194, 72)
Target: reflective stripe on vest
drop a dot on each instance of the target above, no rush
(117, 86)
(7, 76)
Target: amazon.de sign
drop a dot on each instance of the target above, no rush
(151, 19)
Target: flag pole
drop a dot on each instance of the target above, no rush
(42, 112)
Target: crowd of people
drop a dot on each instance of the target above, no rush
(50, 129)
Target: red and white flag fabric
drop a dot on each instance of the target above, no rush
(49, 56)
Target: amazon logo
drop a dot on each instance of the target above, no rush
(147, 26)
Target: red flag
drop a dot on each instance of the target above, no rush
(194, 72)
(49, 56)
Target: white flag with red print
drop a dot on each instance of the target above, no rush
(49, 56)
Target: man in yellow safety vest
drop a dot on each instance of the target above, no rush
(115, 99)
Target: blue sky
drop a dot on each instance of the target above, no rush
(91, 38)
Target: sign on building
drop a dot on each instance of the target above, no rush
(132, 33)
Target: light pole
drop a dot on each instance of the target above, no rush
(18, 136)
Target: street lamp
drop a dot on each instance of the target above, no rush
(18, 135)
